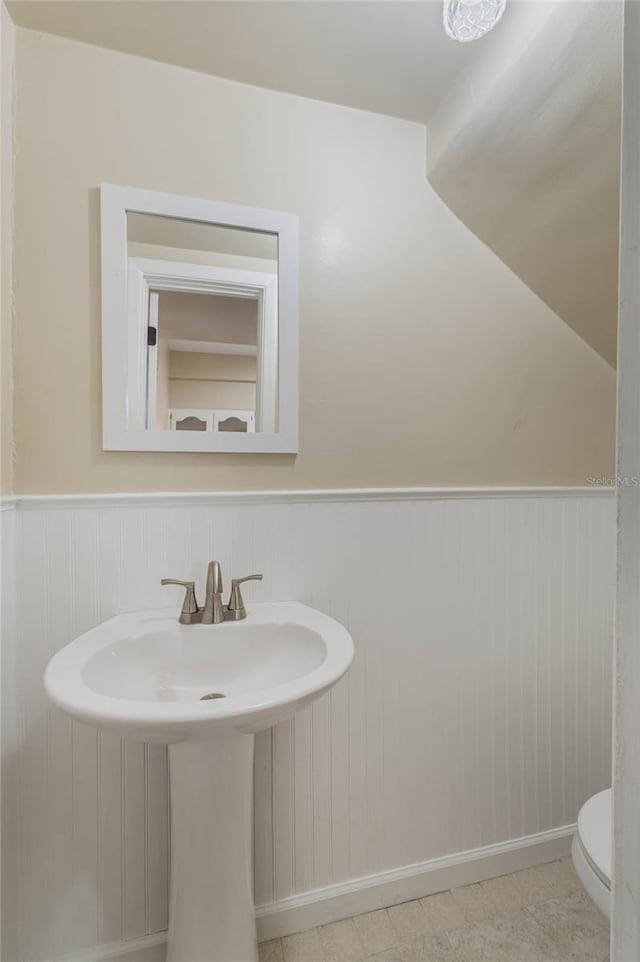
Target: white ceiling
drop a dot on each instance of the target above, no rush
(388, 56)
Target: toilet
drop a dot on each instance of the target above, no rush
(591, 849)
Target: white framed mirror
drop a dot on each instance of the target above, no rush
(199, 324)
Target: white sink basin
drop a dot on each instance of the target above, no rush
(143, 675)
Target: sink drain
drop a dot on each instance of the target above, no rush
(212, 694)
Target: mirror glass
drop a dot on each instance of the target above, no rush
(202, 326)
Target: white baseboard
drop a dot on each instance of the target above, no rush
(335, 902)
(148, 948)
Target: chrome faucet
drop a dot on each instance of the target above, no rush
(214, 612)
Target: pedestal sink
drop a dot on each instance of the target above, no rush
(203, 690)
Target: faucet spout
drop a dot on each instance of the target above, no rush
(214, 578)
(213, 611)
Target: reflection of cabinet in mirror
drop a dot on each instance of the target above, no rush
(197, 419)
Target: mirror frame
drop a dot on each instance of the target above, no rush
(115, 202)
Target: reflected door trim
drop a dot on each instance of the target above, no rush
(118, 396)
(147, 277)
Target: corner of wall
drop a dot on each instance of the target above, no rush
(625, 941)
(7, 158)
(8, 938)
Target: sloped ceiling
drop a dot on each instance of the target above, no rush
(526, 150)
(388, 56)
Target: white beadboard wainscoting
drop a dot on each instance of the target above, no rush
(477, 710)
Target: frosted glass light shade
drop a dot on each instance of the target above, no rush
(466, 20)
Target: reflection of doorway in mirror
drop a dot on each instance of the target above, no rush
(204, 360)
(178, 309)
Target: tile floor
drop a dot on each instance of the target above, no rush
(537, 915)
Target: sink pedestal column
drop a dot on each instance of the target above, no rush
(211, 910)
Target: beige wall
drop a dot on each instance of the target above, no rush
(398, 299)
(6, 242)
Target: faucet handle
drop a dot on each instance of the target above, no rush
(190, 610)
(235, 609)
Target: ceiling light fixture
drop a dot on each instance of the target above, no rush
(466, 20)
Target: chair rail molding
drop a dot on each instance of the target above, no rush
(43, 502)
